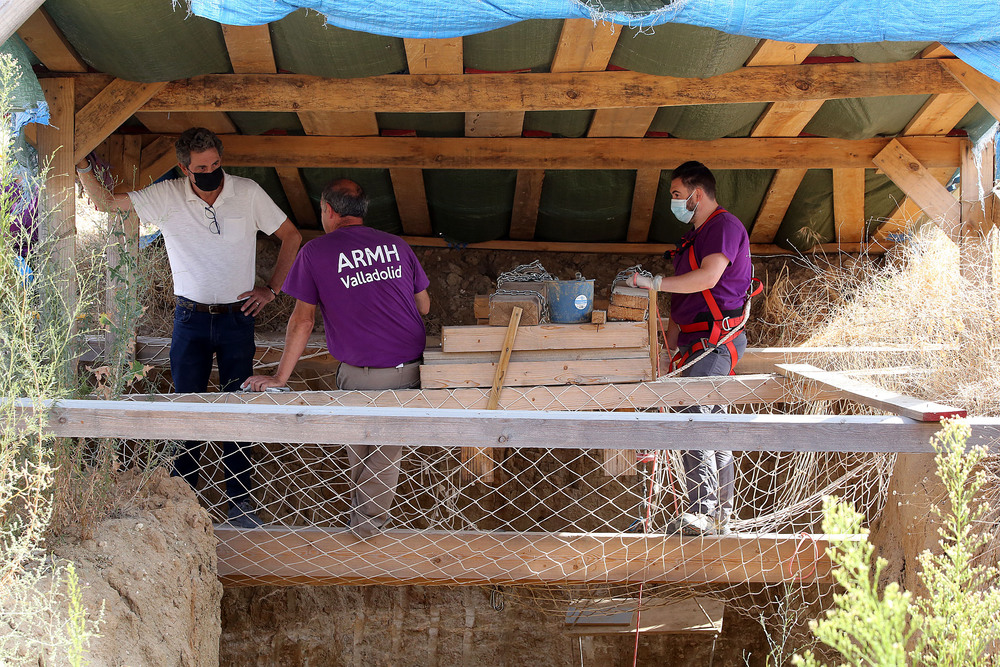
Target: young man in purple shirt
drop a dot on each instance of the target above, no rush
(712, 275)
(372, 293)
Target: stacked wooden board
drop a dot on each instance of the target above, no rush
(546, 354)
(628, 304)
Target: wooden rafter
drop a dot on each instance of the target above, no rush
(849, 205)
(434, 56)
(546, 91)
(250, 49)
(298, 196)
(411, 200)
(527, 196)
(913, 178)
(179, 121)
(13, 13)
(106, 112)
(780, 119)
(612, 153)
(777, 199)
(585, 46)
(47, 42)
(647, 182)
(158, 157)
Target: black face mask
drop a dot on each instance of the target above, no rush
(208, 181)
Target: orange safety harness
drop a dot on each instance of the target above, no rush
(720, 323)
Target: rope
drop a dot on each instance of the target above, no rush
(793, 559)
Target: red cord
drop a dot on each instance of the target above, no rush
(803, 538)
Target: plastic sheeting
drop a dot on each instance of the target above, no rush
(970, 28)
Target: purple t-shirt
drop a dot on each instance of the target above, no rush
(726, 234)
(363, 280)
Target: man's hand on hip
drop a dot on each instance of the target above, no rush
(256, 299)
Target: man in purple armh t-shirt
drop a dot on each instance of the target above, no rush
(372, 293)
(712, 275)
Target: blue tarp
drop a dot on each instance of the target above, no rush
(969, 28)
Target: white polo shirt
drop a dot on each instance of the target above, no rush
(209, 267)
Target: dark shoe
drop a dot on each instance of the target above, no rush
(242, 515)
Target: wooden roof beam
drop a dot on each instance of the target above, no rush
(647, 183)
(13, 14)
(982, 87)
(527, 197)
(298, 196)
(585, 46)
(612, 153)
(47, 42)
(549, 91)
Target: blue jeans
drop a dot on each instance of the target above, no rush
(196, 339)
(711, 474)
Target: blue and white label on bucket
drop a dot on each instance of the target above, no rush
(581, 302)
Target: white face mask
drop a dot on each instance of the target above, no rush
(680, 210)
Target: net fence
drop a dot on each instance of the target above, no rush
(552, 526)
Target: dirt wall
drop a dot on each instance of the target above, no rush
(154, 568)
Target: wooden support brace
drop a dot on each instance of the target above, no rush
(411, 200)
(920, 185)
(977, 182)
(106, 112)
(870, 395)
(982, 87)
(778, 198)
(647, 183)
(158, 158)
(478, 462)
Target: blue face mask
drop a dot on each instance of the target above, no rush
(680, 210)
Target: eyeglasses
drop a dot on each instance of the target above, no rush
(213, 225)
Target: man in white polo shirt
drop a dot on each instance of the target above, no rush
(209, 221)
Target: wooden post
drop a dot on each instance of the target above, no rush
(478, 462)
(58, 201)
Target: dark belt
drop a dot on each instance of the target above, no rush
(418, 360)
(211, 308)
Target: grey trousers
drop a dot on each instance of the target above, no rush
(711, 474)
(375, 468)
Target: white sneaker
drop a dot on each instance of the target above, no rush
(692, 525)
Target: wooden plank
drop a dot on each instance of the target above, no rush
(250, 49)
(764, 359)
(436, 356)
(654, 341)
(647, 183)
(434, 56)
(872, 396)
(13, 13)
(527, 197)
(179, 121)
(516, 429)
(773, 52)
(549, 91)
(545, 337)
(339, 124)
(58, 197)
(598, 316)
(537, 373)
(585, 46)
(977, 181)
(982, 87)
(585, 153)
(502, 366)
(411, 200)
(332, 556)
(777, 199)
(158, 158)
(48, 43)
(940, 114)
(106, 112)
(621, 122)
(496, 124)
(502, 306)
(917, 183)
(131, 159)
(657, 616)
(849, 205)
(936, 50)
(298, 196)
(666, 393)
